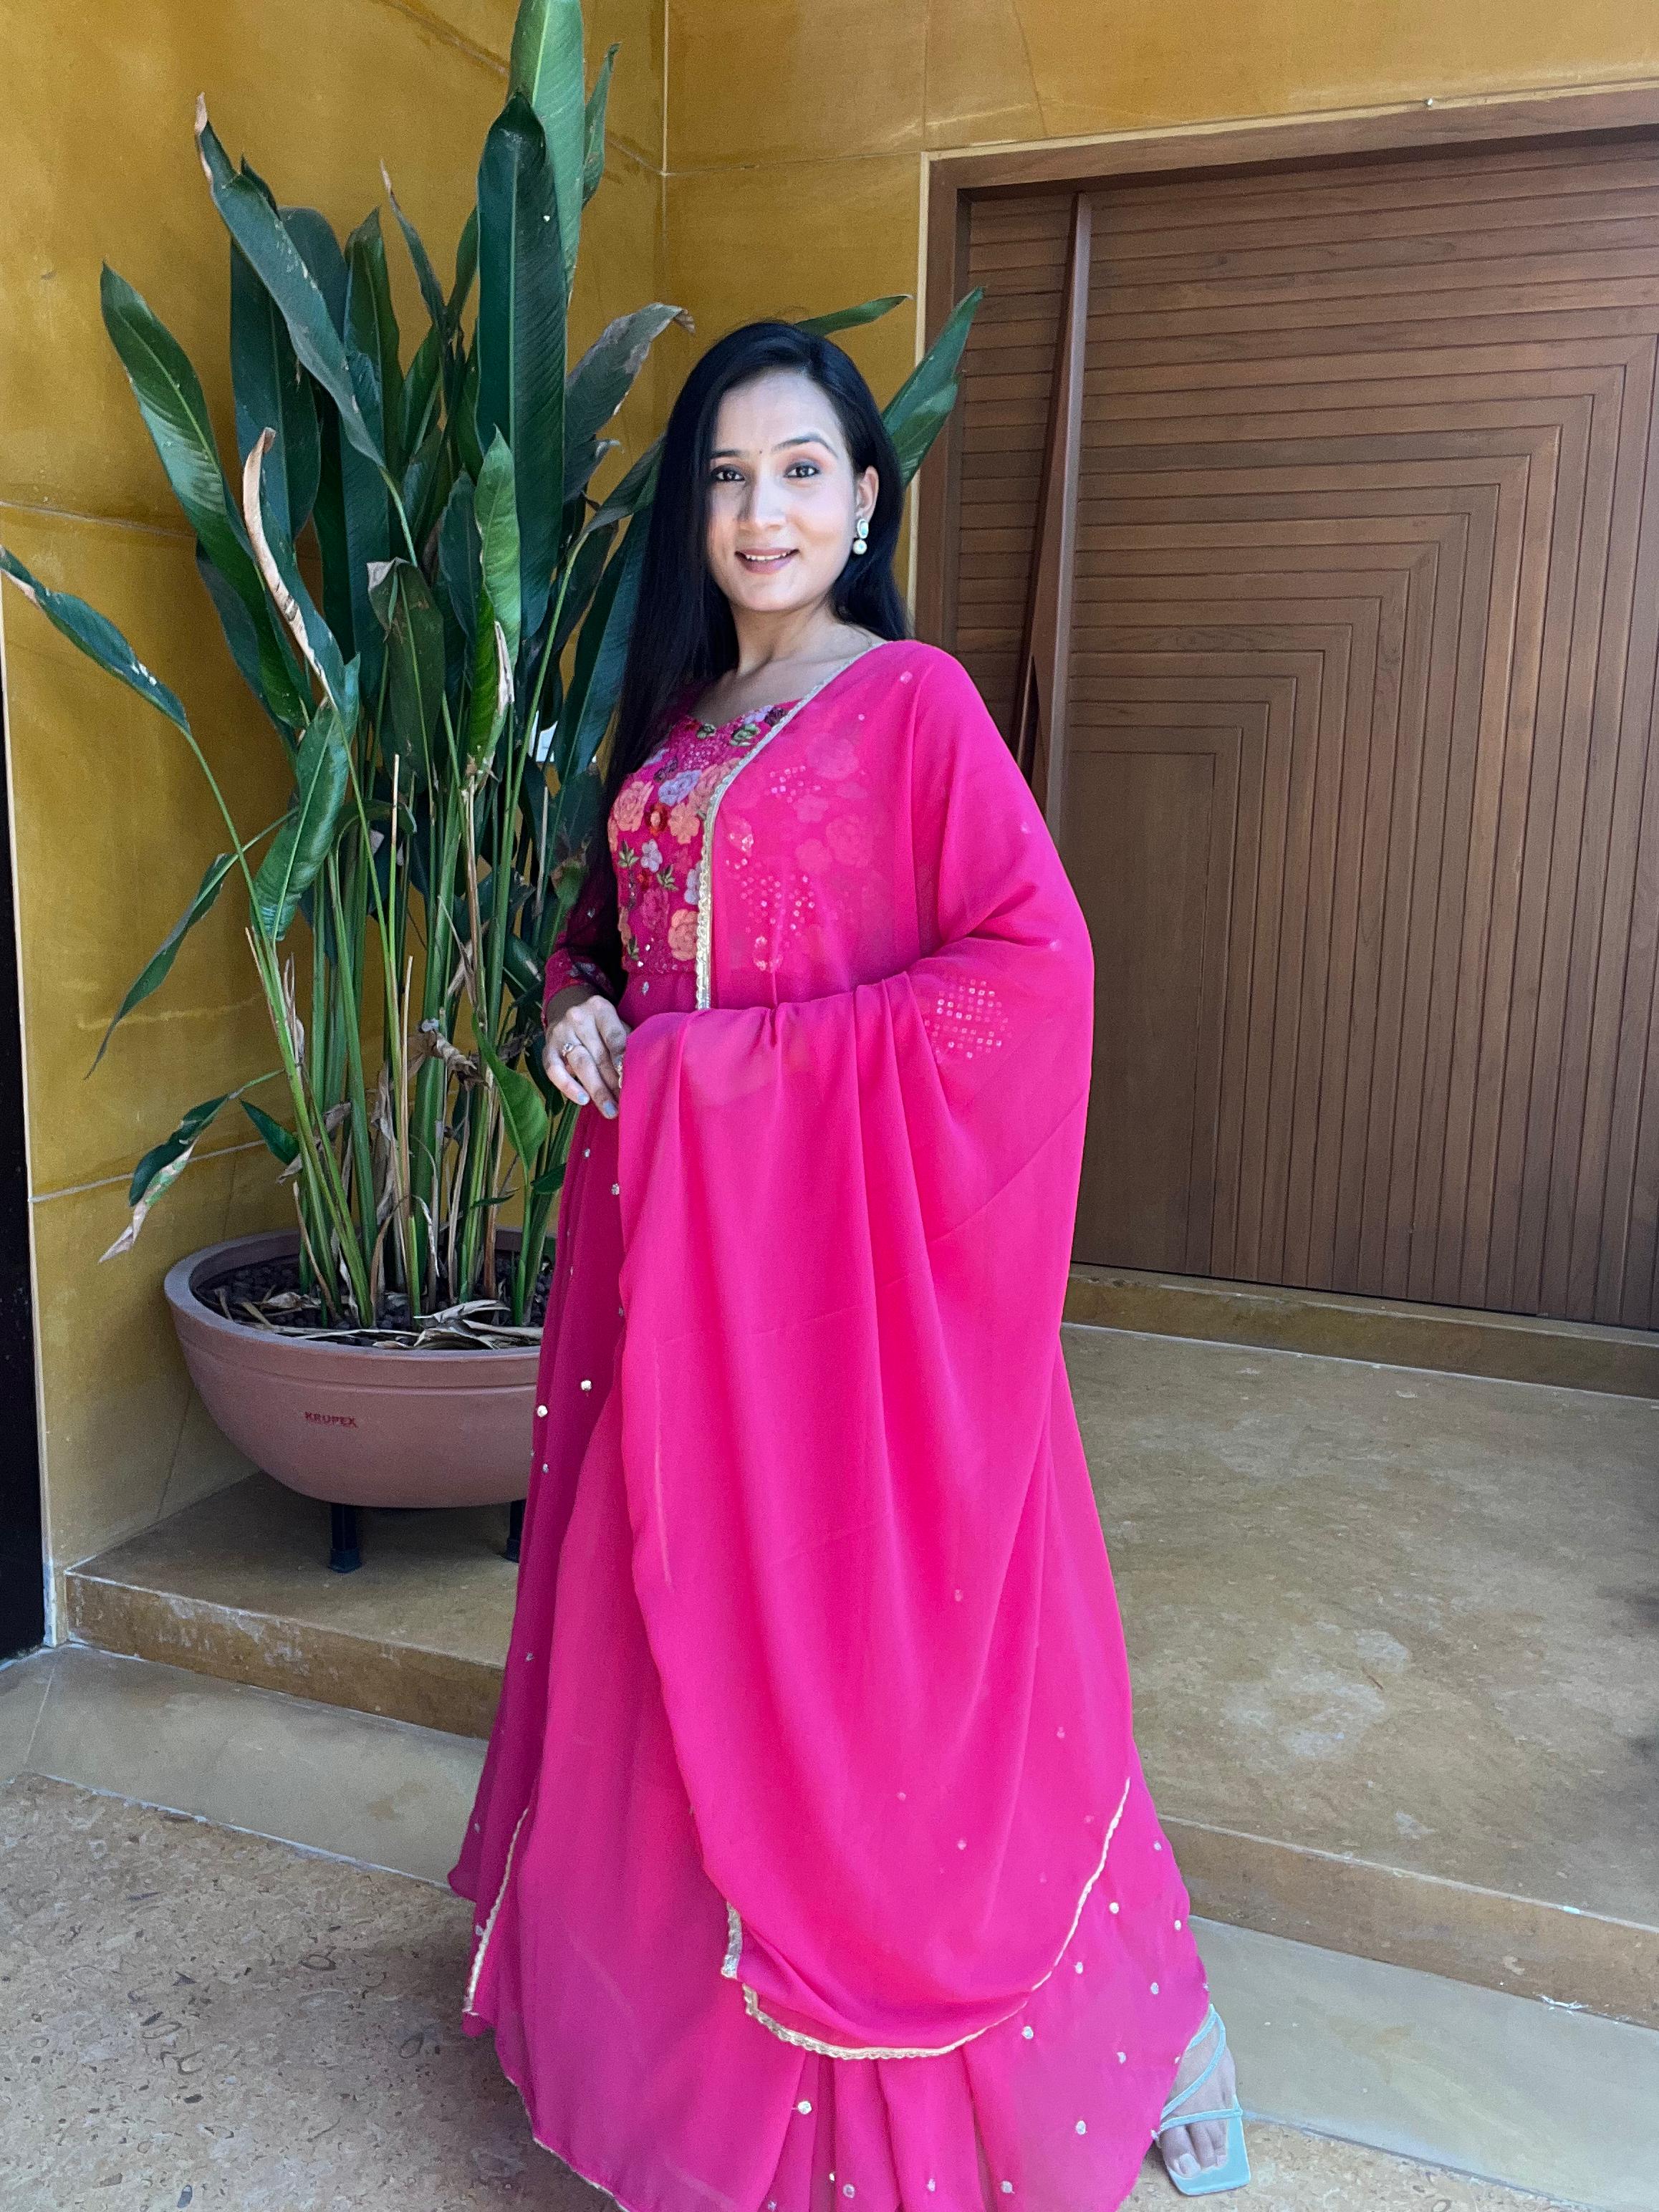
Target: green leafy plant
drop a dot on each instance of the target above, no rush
(441, 700)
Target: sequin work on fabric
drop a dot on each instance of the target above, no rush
(613, 1959)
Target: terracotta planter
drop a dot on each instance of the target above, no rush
(351, 1424)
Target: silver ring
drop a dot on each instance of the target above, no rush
(566, 1049)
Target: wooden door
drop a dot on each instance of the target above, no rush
(1357, 722)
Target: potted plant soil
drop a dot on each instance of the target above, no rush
(440, 702)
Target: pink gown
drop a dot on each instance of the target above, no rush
(599, 1938)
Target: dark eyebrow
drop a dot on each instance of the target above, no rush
(806, 438)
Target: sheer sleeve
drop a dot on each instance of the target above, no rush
(588, 948)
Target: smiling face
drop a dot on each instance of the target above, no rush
(783, 496)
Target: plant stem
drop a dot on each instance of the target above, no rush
(363, 1170)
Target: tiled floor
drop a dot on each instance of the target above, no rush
(199, 2018)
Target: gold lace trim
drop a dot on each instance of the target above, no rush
(705, 872)
(488, 1926)
(752, 2005)
(734, 1942)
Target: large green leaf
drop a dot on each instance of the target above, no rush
(173, 1148)
(175, 412)
(521, 334)
(269, 243)
(632, 493)
(170, 398)
(601, 654)
(97, 637)
(914, 436)
(546, 69)
(425, 275)
(459, 565)
(319, 249)
(419, 413)
(603, 378)
(848, 319)
(371, 345)
(593, 134)
(467, 443)
(492, 692)
(156, 969)
(325, 650)
(328, 520)
(282, 1143)
(466, 269)
(526, 974)
(598, 449)
(567, 857)
(255, 179)
(413, 631)
(163, 1164)
(371, 340)
(427, 483)
(497, 515)
(302, 844)
(368, 540)
(920, 408)
(272, 393)
(250, 641)
(586, 566)
(938, 365)
(523, 1111)
(312, 233)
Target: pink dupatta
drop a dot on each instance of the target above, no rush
(865, 1543)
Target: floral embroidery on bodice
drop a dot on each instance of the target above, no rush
(655, 836)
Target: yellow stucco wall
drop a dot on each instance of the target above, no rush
(112, 824)
(795, 183)
(766, 156)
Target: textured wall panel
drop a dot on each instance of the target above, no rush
(1365, 509)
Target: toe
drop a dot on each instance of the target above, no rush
(1209, 2142)
(1179, 2156)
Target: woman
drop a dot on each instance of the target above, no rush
(811, 1854)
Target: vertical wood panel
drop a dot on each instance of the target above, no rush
(1165, 801)
(1043, 677)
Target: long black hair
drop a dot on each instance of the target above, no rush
(684, 637)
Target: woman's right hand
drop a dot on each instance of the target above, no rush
(595, 1034)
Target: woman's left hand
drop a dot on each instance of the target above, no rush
(583, 1053)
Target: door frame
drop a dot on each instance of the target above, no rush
(952, 181)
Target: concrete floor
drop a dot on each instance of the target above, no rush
(1410, 1616)
(200, 2018)
(1543, 2098)
(1395, 1636)
(1395, 1640)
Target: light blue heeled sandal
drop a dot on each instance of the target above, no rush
(1234, 2169)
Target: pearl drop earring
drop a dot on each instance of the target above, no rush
(860, 532)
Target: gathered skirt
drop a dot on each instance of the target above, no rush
(598, 1939)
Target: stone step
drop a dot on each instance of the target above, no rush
(1394, 1332)
(1385, 1631)
(237, 1587)
(1538, 2097)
